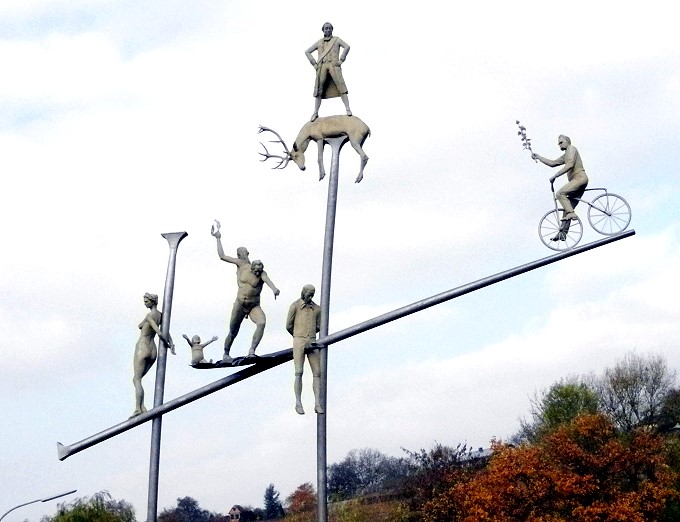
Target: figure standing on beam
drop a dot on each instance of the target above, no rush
(250, 278)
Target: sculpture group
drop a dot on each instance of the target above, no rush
(302, 323)
(303, 314)
(303, 317)
(306, 319)
(329, 83)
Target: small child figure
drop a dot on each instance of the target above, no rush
(197, 349)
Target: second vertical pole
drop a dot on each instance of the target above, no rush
(321, 462)
(173, 240)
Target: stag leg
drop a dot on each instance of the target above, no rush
(364, 159)
(322, 171)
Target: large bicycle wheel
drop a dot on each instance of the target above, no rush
(557, 235)
(609, 214)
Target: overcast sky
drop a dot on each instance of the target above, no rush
(121, 120)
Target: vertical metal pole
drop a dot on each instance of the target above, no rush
(321, 463)
(173, 240)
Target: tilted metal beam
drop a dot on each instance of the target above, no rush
(272, 360)
(466, 289)
(283, 356)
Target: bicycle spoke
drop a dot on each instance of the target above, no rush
(609, 214)
(618, 208)
(568, 234)
(601, 223)
(602, 217)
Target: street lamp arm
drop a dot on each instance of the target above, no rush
(17, 507)
(46, 499)
(58, 496)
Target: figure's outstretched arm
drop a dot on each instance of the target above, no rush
(188, 340)
(223, 256)
(208, 342)
(548, 162)
(215, 232)
(271, 285)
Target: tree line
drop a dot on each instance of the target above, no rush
(593, 448)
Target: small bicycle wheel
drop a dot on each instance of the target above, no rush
(609, 214)
(557, 235)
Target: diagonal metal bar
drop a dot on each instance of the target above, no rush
(465, 289)
(283, 356)
(272, 360)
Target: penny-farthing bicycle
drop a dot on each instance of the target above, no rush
(608, 214)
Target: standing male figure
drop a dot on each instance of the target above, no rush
(303, 323)
(250, 278)
(327, 64)
(569, 194)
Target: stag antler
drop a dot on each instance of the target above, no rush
(283, 159)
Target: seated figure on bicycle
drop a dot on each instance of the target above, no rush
(569, 194)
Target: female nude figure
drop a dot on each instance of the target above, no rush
(145, 350)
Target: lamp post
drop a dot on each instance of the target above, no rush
(46, 499)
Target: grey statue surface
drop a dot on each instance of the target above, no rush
(320, 129)
(577, 181)
(197, 349)
(250, 278)
(146, 350)
(329, 82)
(303, 323)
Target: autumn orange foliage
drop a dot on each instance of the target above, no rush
(583, 471)
(301, 500)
